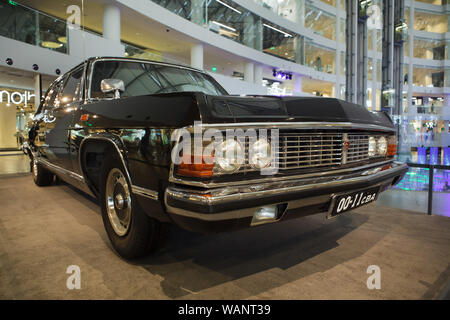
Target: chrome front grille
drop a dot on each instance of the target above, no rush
(358, 148)
(316, 150)
(306, 150)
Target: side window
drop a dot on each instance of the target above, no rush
(51, 100)
(72, 88)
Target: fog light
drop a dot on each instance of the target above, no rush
(265, 214)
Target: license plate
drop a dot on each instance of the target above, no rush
(353, 200)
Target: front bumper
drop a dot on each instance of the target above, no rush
(233, 207)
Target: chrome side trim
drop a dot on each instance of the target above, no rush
(60, 170)
(271, 179)
(101, 137)
(145, 192)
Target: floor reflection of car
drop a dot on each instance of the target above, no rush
(126, 131)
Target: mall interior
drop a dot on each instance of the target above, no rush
(261, 47)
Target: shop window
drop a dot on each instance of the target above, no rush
(318, 88)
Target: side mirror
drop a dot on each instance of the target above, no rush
(112, 85)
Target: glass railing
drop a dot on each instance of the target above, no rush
(33, 27)
(234, 22)
(429, 49)
(425, 187)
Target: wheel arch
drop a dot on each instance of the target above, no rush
(92, 150)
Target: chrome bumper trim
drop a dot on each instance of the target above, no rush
(242, 213)
(272, 179)
(269, 189)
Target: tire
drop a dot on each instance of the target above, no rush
(41, 176)
(132, 233)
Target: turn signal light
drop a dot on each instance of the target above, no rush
(392, 146)
(199, 170)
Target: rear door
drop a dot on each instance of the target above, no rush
(58, 118)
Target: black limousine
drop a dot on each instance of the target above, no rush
(135, 133)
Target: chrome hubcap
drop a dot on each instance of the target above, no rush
(118, 202)
(34, 168)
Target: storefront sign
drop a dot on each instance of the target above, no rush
(16, 97)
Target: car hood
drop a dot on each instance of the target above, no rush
(220, 109)
(182, 109)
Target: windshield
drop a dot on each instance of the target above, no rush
(146, 78)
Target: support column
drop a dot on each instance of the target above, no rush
(337, 62)
(299, 47)
(298, 83)
(351, 51)
(111, 23)
(258, 74)
(197, 56)
(410, 54)
(37, 90)
(374, 69)
(249, 72)
(197, 10)
(300, 10)
(249, 31)
(387, 69)
(259, 34)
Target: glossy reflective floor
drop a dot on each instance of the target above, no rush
(14, 162)
(45, 230)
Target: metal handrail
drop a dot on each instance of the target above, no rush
(430, 179)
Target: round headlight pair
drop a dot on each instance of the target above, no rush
(377, 147)
(230, 155)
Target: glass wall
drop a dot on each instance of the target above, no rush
(435, 2)
(16, 110)
(282, 43)
(321, 22)
(428, 77)
(429, 49)
(24, 24)
(320, 58)
(430, 22)
(234, 22)
(133, 51)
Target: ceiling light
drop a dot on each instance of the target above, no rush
(223, 26)
(51, 44)
(228, 6)
(273, 28)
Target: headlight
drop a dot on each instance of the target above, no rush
(372, 147)
(229, 156)
(260, 155)
(382, 146)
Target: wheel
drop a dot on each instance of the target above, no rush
(41, 176)
(132, 233)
